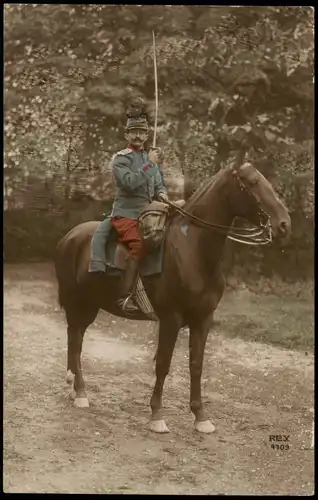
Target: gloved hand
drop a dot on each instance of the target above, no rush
(163, 197)
(180, 203)
(155, 155)
(160, 156)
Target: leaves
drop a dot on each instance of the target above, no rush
(227, 75)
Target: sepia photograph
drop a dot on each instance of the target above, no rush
(158, 249)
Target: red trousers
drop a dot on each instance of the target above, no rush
(129, 234)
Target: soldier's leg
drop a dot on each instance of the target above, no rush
(129, 234)
(98, 247)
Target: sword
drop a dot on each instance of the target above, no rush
(156, 90)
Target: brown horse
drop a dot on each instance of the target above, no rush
(190, 286)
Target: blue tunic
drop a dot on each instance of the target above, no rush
(138, 182)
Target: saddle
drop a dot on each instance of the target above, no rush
(152, 224)
(121, 256)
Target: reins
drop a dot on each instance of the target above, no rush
(261, 235)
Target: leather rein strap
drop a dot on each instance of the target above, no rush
(261, 235)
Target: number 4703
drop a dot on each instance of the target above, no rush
(280, 446)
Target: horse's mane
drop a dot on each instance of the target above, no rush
(200, 191)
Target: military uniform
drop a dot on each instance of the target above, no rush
(138, 182)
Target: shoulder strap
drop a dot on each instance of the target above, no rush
(123, 152)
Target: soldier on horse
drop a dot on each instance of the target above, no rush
(138, 181)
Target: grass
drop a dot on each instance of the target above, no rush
(280, 314)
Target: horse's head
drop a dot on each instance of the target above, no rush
(253, 198)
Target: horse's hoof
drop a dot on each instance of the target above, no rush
(158, 426)
(70, 377)
(81, 403)
(73, 394)
(205, 427)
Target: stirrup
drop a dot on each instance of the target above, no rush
(122, 302)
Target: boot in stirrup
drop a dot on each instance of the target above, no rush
(128, 286)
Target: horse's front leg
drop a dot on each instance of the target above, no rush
(197, 341)
(168, 332)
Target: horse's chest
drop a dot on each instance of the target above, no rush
(205, 292)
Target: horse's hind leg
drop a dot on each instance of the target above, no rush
(76, 342)
(77, 325)
(168, 332)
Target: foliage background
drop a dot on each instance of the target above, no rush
(229, 77)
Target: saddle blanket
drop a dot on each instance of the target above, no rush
(151, 264)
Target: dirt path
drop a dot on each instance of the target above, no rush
(251, 391)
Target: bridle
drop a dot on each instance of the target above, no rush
(261, 235)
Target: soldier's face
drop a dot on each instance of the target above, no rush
(136, 137)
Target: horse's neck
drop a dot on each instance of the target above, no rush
(213, 207)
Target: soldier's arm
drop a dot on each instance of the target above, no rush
(128, 179)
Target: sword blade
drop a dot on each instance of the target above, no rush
(156, 90)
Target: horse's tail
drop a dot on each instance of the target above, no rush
(65, 270)
(61, 297)
(70, 261)
(63, 292)
(63, 287)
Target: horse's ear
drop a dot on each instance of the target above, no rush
(234, 170)
(246, 165)
(241, 154)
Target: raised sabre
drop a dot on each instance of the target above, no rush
(156, 90)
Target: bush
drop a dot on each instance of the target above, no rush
(33, 236)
